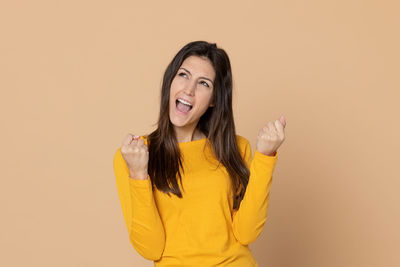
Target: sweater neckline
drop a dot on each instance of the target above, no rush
(183, 144)
(188, 143)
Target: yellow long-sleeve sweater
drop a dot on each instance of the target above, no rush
(200, 229)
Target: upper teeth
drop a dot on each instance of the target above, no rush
(184, 102)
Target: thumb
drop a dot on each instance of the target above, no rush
(283, 121)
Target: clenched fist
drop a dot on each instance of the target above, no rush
(136, 155)
(271, 136)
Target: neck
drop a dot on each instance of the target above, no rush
(188, 134)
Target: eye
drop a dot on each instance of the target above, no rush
(180, 74)
(203, 82)
(206, 84)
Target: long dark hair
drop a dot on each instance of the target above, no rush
(216, 123)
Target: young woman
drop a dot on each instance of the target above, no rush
(191, 192)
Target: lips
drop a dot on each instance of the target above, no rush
(185, 101)
(182, 106)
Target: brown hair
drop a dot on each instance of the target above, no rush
(216, 123)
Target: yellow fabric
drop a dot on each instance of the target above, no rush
(200, 229)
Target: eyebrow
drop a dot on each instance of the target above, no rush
(199, 77)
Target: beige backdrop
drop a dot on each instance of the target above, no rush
(77, 76)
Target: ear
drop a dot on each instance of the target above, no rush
(212, 102)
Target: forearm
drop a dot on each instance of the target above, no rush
(146, 231)
(249, 220)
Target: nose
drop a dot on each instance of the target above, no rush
(190, 88)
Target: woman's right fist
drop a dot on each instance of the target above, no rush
(136, 155)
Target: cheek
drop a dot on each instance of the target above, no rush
(171, 102)
(176, 84)
(205, 101)
(172, 92)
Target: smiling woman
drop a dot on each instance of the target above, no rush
(190, 95)
(190, 191)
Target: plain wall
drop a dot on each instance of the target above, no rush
(77, 76)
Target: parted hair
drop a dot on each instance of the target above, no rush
(217, 124)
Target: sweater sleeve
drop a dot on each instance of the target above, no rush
(142, 219)
(249, 219)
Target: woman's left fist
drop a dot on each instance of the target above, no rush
(271, 136)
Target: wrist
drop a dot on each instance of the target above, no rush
(138, 175)
(269, 154)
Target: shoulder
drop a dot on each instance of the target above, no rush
(243, 145)
(242, 141)
(118, 160)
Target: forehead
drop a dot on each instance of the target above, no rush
(199, 66)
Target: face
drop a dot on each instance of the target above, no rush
(193, 85)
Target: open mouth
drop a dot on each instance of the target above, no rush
(183, 106)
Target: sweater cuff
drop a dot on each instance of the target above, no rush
(265, 158)
(140, 183)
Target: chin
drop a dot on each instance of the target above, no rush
(175, 122)
(178, 124)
